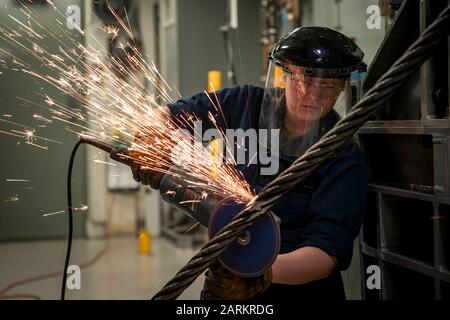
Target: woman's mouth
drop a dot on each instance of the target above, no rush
(306, 106)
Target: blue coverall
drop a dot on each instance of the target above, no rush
(325, 211)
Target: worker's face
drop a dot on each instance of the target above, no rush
(310, 98)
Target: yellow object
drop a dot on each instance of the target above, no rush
(119, 137)
(145, 242)
(214, 80)
(277, 78)
(215, 148)
(116, 133)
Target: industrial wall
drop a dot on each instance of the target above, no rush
(349, 17)
(33, 180)
(192, 44)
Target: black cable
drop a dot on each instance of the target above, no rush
(101, 145)
(70, 215)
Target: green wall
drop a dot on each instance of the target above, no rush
(46, 170)
(202, 48)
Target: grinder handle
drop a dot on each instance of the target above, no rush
(96, 143)
(109, 148)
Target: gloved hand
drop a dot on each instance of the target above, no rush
(221, 284)
(141, 174)
(153, 137)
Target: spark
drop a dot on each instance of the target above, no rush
(189, 201)
(82, 207)
(29, 135)
(49, 101)
(112, 30)
(14, 123)
(37, 145)
(14, 198)
(103, 162)
(72, 131)
(31, 32)
(39, 117)
(53, 213)
(192, 228)
(10, 134)
(52, 4)
(26, 188)
(128, 20)
(108, 101)
(122, 24)
(251, 159)
(37, 49)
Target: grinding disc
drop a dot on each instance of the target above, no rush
(255, 251)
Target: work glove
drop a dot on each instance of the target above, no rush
(140, 173)
(221, 284)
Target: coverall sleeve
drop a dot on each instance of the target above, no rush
(231, 103)
(337, 208)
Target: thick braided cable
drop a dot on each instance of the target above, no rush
(385, 87)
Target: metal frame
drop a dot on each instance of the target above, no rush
(395, 267)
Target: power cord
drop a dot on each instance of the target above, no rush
(103, 146)
(70, 215)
